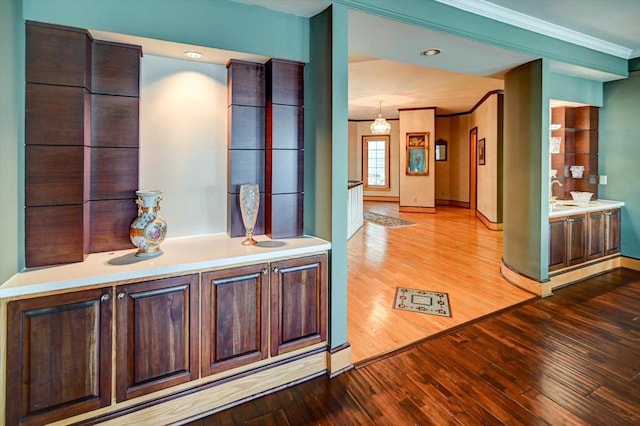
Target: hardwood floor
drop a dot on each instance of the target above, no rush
(569, 359)
(450, 251)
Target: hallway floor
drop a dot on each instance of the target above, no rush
(450, 251)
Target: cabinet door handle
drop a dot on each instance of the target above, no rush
(121, 296)
(105, 298)
(276, 269)
(265, 271)
(570, 220)
(607, 213)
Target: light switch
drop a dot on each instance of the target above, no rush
(603, 179)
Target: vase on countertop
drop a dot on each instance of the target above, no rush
(149, 229)
(249, 205)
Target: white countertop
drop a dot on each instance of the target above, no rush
(182, 254)
(569, 207)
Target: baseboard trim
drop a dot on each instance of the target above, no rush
(411, 209)
(385, 199)
(453, 203)
(567, 276)
(494, 226)
(339, 360)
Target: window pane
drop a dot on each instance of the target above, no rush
(376, 156)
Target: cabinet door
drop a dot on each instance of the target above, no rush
(234, 317)
(612, 231)
(557, 243)
(595, 248)
(298, 303)
(156, 335)
(60, 362)
(576, 239)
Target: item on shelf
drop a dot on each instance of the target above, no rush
(249, 205)
(580, 197)
(554, 145)
(553, 173)
(149, 229)
(576, 171)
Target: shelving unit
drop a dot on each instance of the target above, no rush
(579, 147)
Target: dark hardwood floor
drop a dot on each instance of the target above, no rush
(570, 359)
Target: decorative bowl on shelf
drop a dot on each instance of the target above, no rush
(576, 171)
(581, 198)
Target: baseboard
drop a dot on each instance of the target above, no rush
(529, 284)
(209, 398)
(494, 226)
(568, 276)
(339, 360)
(453, 203)
(411, 209)
(376, 198)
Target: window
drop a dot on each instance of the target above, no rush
(375, 161)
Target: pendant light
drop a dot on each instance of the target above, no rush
(380, 126)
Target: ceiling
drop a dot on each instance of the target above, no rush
(385, 65)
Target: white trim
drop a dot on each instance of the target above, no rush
(508, 16)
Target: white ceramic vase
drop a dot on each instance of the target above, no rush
(149, 229)
(576, 171)
(249, 205)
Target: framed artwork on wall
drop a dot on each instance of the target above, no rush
(481, 152)
(417, 154)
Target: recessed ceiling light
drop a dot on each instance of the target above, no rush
(193, 54)
(430, 52)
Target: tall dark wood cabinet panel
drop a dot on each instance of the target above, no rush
(115, 100)
(596, 243)
(284, 148)
(57, 161)
(245, 139)
(235, 304)
(60, 362)
(156, 335)
(612, 231)
(298, 303)
(557, 243)
(81, 129)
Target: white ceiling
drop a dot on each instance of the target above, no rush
(386, 65)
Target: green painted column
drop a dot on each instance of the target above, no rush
(12, 42)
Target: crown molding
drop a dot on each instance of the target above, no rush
(511, 17)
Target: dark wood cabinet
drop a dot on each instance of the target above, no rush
(235, 309)
(60, 361)
(298, 303)
(156, 335)
(604, 233)
(238, 302)
(579, 238)
(612, 231)
(567, 241)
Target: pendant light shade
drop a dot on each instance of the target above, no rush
(380, 126)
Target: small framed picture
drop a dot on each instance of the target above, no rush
(417, 154)
(481, 152)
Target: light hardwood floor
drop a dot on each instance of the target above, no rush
(450, 251)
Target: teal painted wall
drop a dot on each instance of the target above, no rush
(575, 89)
(326, 151)
(220, 23)
(11, 137)
(619, 155)
(526, 116)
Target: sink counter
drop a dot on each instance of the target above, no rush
(569, 207)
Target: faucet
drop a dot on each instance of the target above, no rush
(552, 198)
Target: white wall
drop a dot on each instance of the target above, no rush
(183, 142)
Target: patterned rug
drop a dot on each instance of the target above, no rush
(388, 221)
(426, 302)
